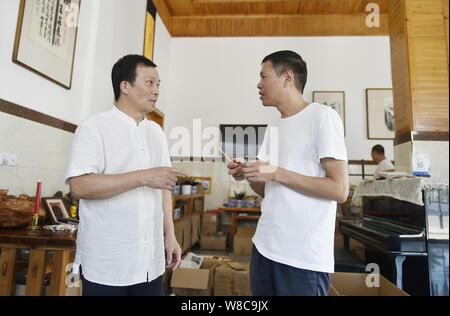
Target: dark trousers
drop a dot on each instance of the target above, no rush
(270, 278)
(153, 288)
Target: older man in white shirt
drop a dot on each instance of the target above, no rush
(379, 158)
(120, 168)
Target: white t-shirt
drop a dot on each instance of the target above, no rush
(120, 239)
(296, 229)
(384, 166)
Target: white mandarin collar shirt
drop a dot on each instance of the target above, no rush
(120, 239)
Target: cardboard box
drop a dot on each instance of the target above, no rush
(194, 282)
(232, 279)
(227, 230)
(183, 233)
(197, 205)
(216, 241)
(187, 231)
(354, 284)
(210, 223)
(218, 258)
(242, 241)
(178, 227)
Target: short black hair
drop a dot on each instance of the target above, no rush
(125, 70)
(288, 60)
(379, 149)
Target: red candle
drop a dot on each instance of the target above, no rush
(38, 198)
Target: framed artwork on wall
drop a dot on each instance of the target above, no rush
(46, 38)
(380, 114)
(206, 183)
(334, 99)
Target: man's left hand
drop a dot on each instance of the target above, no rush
(173, 253)
(259, 171)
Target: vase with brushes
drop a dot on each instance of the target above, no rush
(240, 196)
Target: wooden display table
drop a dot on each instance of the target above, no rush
(13, 239)
(235, 215)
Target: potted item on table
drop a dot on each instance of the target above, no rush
(239, 196)
(177, 188)
(186, 187)
(177, 210)
(250, 201)
(194, 189)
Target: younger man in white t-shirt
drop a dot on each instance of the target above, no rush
(301, 173)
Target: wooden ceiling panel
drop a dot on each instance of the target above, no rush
(259, 7)
(248, 17)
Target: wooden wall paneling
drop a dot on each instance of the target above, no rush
(446, 24)
(428, 65)
(400, 68)
(419, 61)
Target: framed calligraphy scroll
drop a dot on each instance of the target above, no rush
(46, 38)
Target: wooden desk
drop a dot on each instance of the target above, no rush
(13, 239)
(235, 217)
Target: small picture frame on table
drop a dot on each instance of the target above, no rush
(56, 210)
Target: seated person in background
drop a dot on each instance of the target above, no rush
(378, 157)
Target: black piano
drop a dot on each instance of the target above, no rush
(409, 242)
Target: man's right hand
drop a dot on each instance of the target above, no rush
(235, 169)
(162, 177)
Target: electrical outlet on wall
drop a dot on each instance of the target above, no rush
(10, 159)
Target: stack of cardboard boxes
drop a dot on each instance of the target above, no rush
(217, 276)
(195, 282)
(242, 241)
(187, 231)
(232, 279)
(211, 238)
